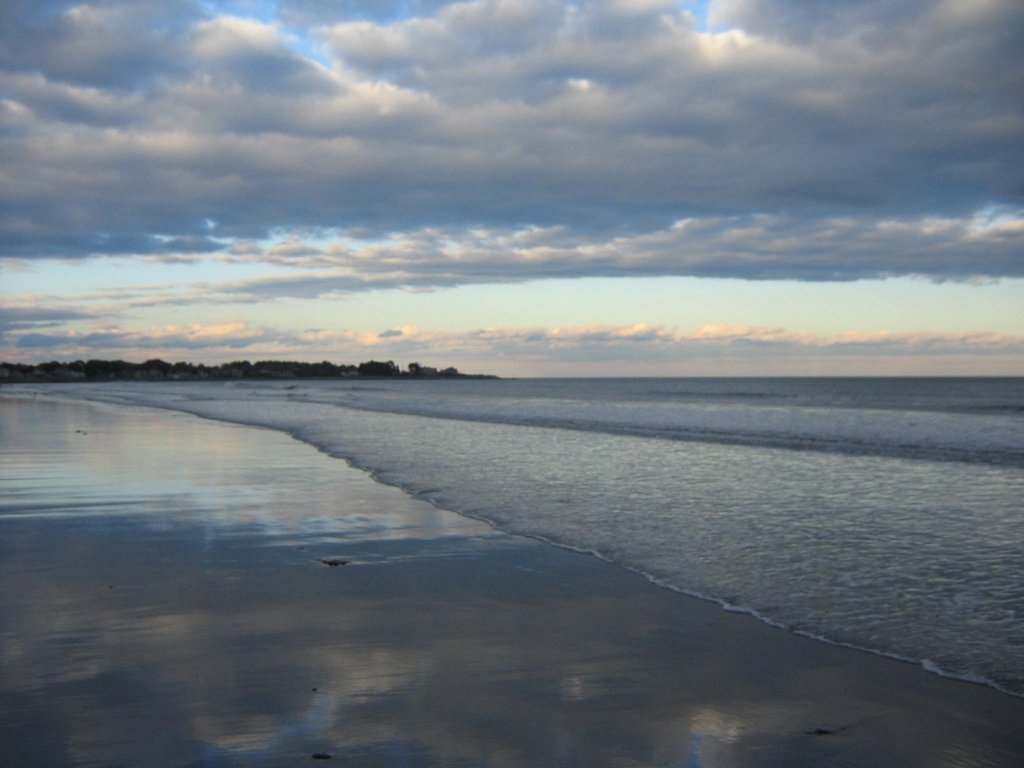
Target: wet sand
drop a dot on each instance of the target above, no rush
(164, 600)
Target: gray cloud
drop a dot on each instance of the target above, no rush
(795, 142)
(225, 337)
(22, 319)
(752, 247)
(118, 44)
(248, 55)
(874, 24)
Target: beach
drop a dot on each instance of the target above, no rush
(183, 592)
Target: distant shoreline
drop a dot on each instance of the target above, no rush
(160, 370)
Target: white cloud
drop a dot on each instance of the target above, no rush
(229, 36)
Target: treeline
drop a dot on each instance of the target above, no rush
(160, 370)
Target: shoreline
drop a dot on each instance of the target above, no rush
(926, 664)
(555, 646)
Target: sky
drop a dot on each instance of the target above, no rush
(532, 188)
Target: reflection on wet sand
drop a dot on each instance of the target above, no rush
(179, 616)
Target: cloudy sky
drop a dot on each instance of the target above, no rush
(527, 187)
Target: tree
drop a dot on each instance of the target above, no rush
(377, 368)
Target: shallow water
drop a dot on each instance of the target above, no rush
(162, 603)
(884, 514)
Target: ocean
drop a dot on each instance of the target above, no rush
(882, 514)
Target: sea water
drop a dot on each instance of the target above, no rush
(885, 514)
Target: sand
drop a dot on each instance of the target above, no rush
(164, 600)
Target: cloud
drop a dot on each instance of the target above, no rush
(612, 340)
(115, 44)
(750, 247)
(234, 53)
(311, 265)
(873, 24)
(510, 350)
(856, 139)
(317, 12)
(18, 317)
(233, 335)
